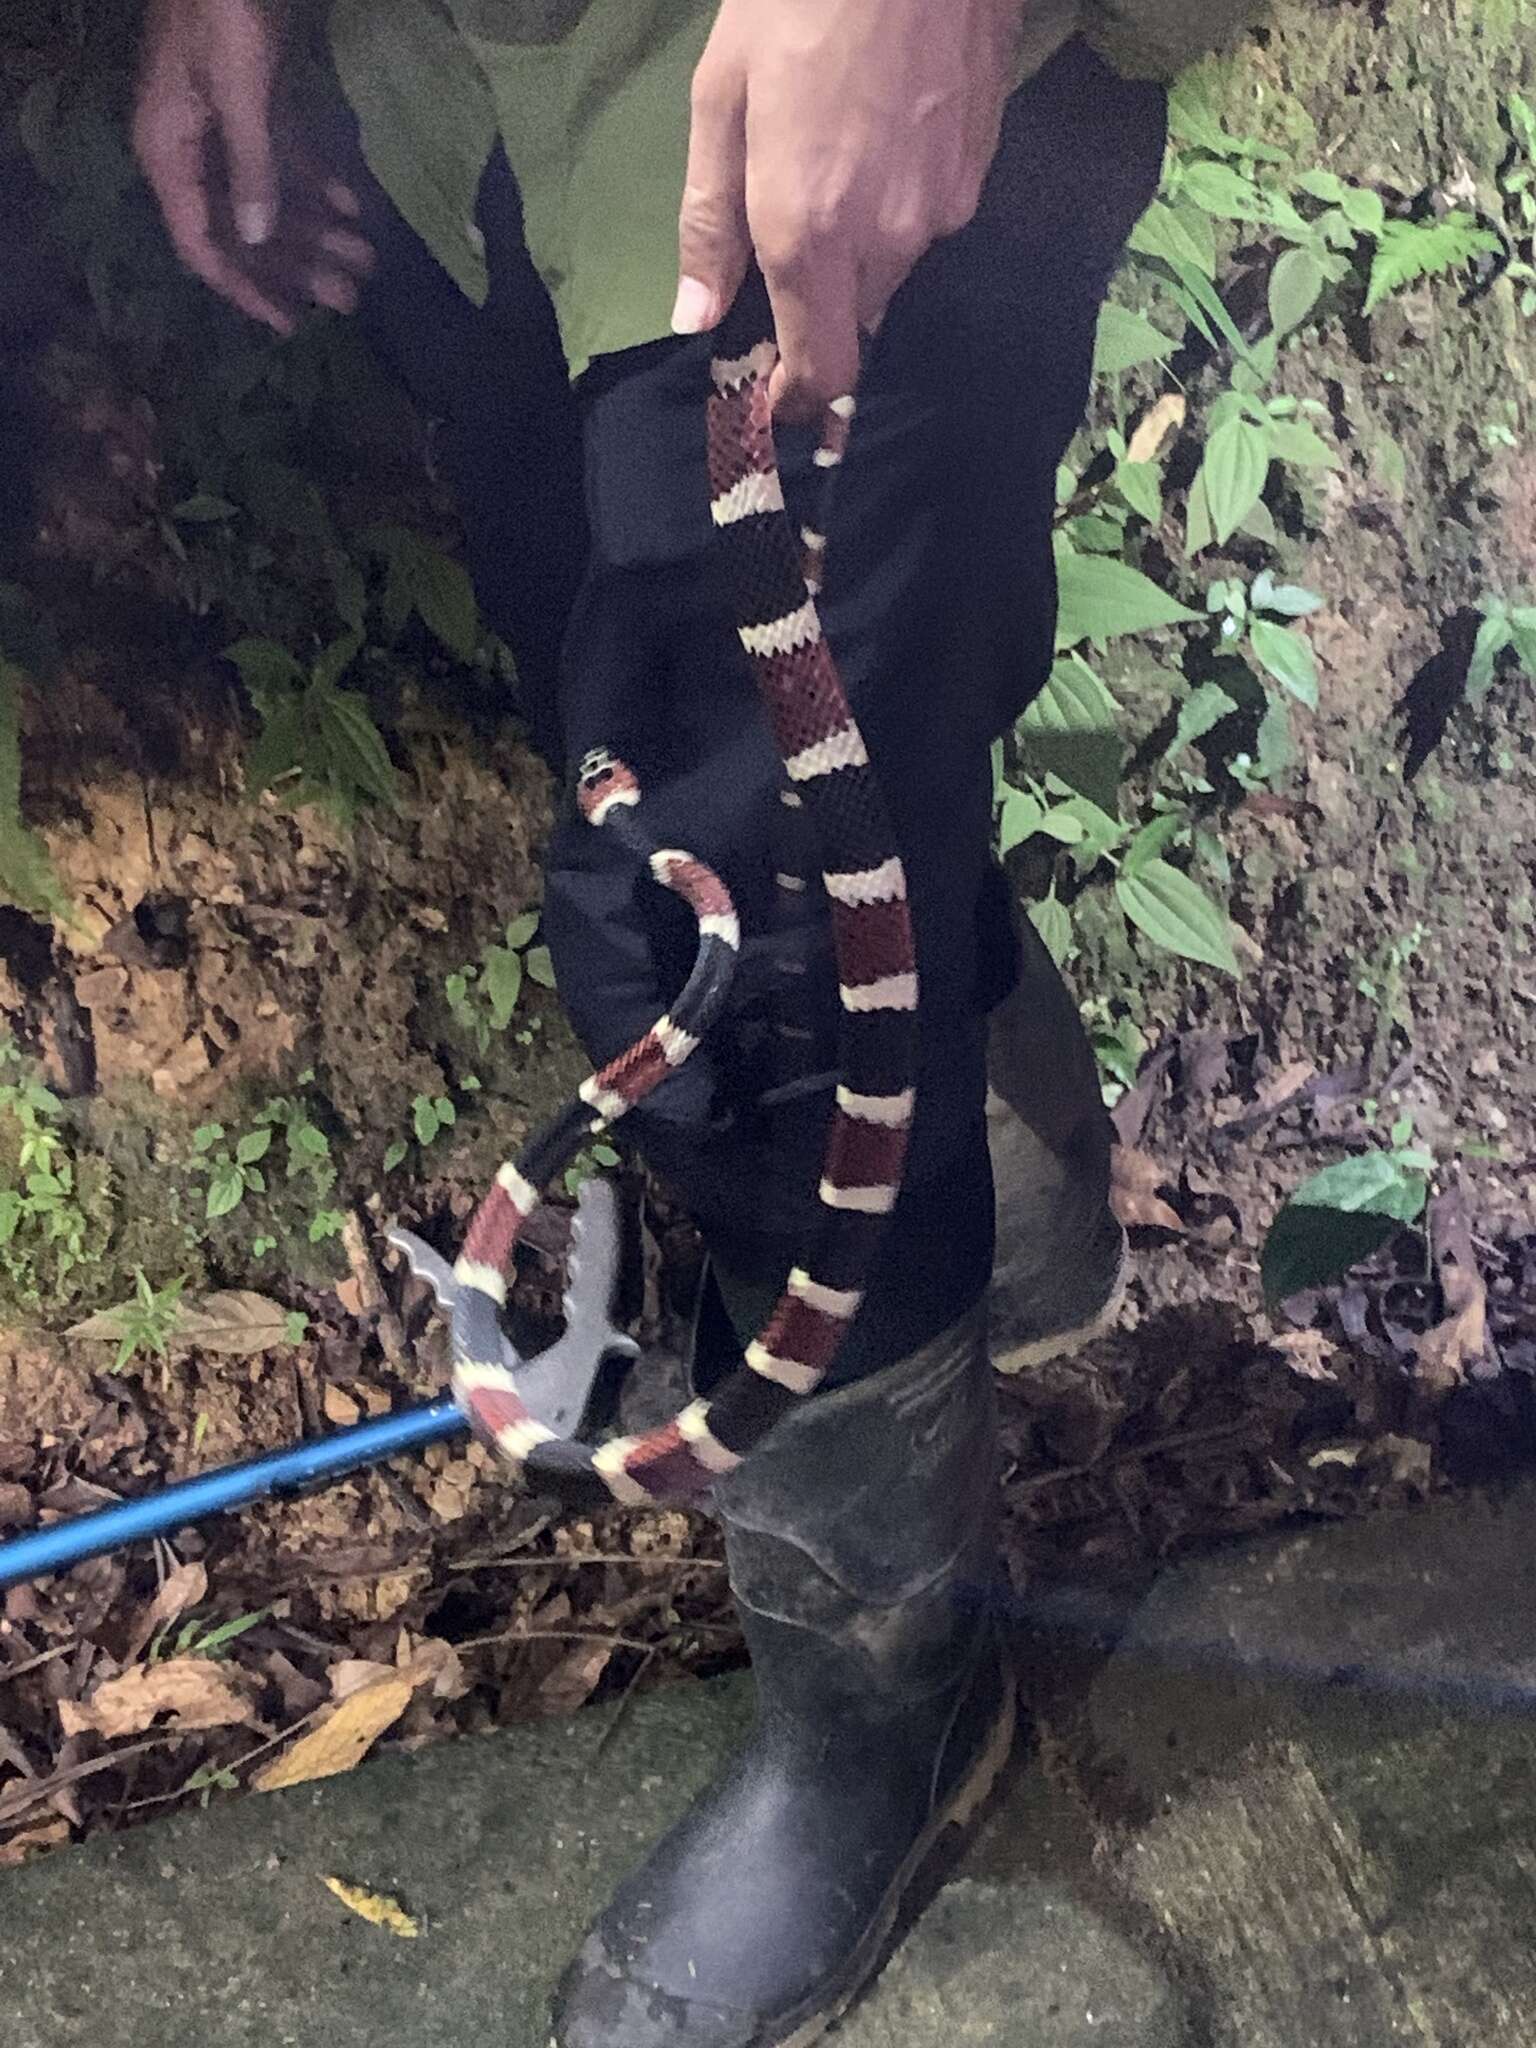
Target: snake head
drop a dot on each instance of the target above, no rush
(601, 783)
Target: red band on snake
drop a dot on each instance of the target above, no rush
(774, 574)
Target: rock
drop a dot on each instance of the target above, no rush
(186, 1065)
(15, 1505)
(101, 987)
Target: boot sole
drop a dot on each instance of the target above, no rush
(962, 1810)
(1067, 1343)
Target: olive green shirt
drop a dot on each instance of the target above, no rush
(590, 101)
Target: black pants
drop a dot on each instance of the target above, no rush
(586, 512)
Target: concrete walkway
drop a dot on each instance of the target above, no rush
(1294, 1810)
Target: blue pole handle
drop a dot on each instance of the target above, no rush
(271, 1476)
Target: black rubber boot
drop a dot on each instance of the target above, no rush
(861, 1543)
(1059, 1264)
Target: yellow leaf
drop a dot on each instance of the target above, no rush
(342, 1742)
(374, 1908)
(1165, 418)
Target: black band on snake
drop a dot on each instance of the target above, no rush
(828, 769)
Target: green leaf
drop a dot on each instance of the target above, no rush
(522, 929)
(1523, 624)
(540, 967)
(1233, 474)
(1176, 914)
(1149, 842)
(1125, 340)
(1290, 600)
(253, 1146)
(427, 119)
(424, 1120)
(1410, 250)
(1295, 286)
(28, 878)
(503, 983)
(1141, 486)
(1223, 191)
(334, 660)
(1199, 533)
(1337, 1218)
(1072, 730)
(1363, 209)
(282, 500)
(1274, 740)
(226, 1190)
(268, 671)
(445, 598)
(1494, 635)
(1201, 712)
(1020, 820)
(394, 1154)
(1293, 441)
(1100, 599)
(354, 747)
(1325, 185)
(203, 509)
(1083, 824)
(1053, 921)
(218, 1638)
(1288, 657)
(349, 591)
(1177, 237)
(278, 748)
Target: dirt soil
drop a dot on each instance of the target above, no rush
(1199, 1417)
(222, 952)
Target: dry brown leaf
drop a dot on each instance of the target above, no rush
(350, 1294)
(20, 1848)
(1134, 1180)
(340, 1408)
(185, 1585)
(1285, 1082)
(340, 1743)
(235, 1323)
(450, 1494)
(570, 1684)
(301, 1695)
(1448, 1352)
(1306, 1352)
(1165, 418)
(438, 1664)
(373, 1907)
(195, 1691)
(1410, 1460)
(353, 1674)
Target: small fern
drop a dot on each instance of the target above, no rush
(1408, 251)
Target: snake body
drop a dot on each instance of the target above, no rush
(774, 575)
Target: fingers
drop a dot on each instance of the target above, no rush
(713, 245)
(815, 298)
(240, 90)
(175, 165)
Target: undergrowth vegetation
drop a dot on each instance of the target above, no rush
(1184, 650)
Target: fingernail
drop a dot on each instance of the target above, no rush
(254, 223)
(697, 309)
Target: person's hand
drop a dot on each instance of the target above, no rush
(835, 140)
(204, 133)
